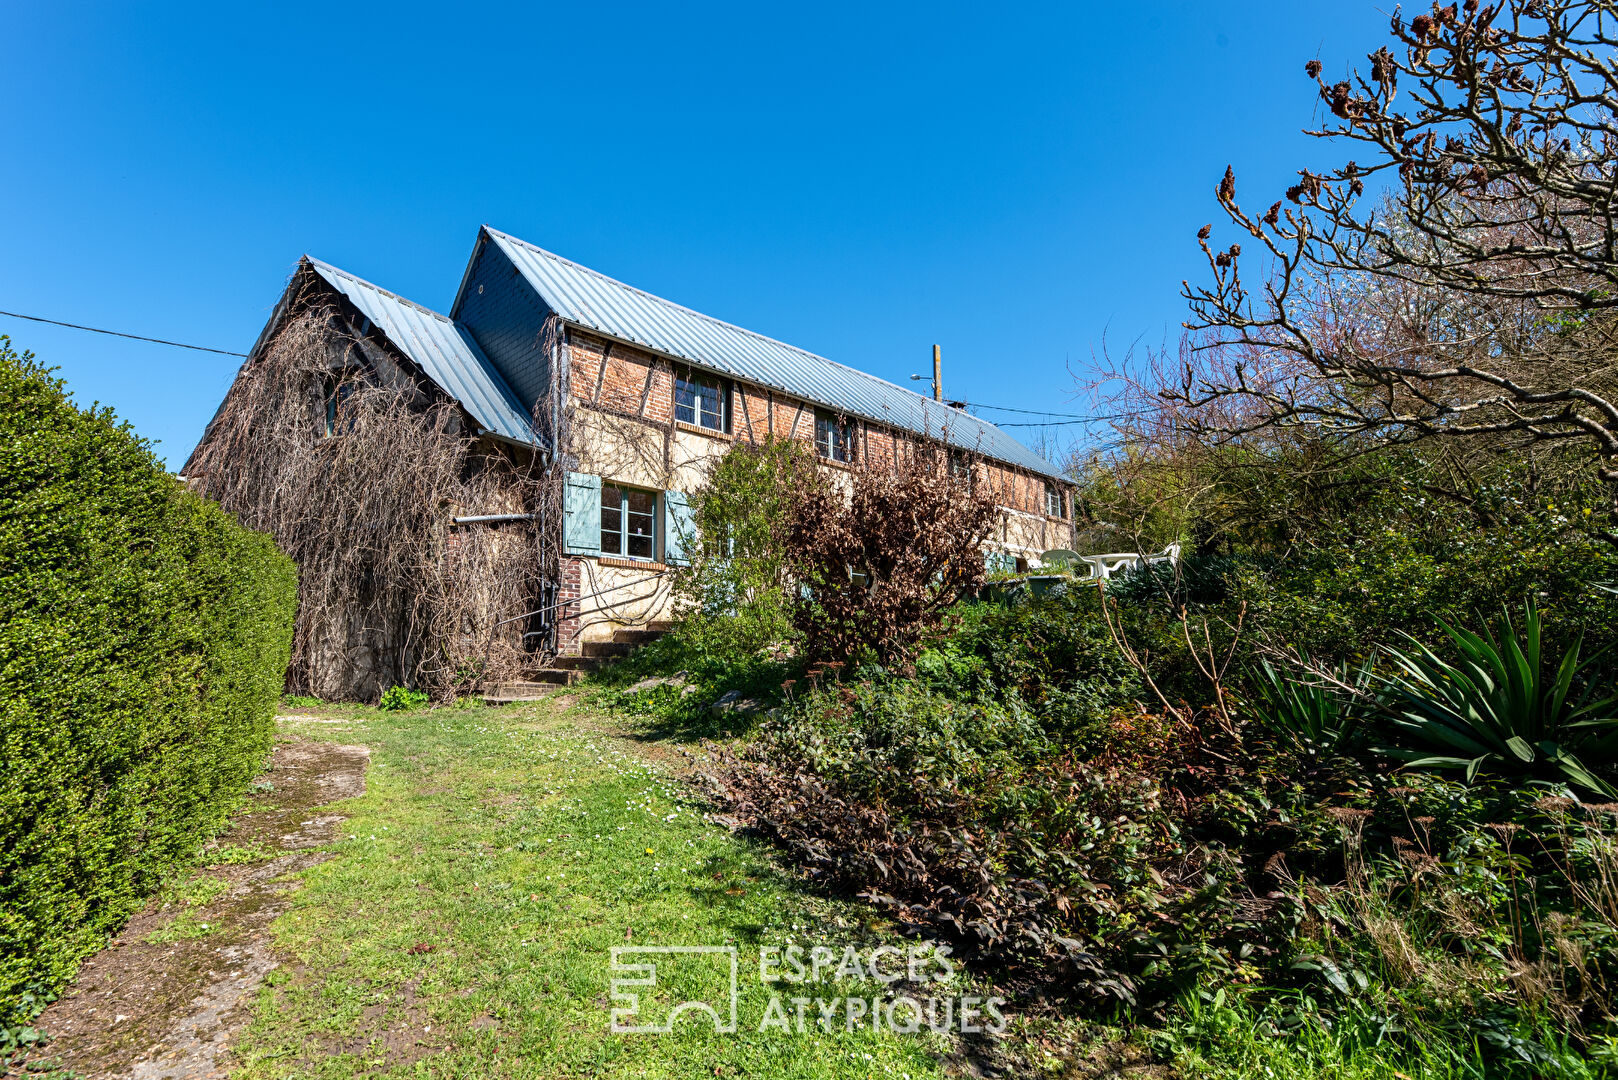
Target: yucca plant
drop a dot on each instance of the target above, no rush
(1499, 708)
(1313, 717)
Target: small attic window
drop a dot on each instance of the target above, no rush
(339, 412)
(834, 436)
(961, 471)
(702, 400)
(1053, 500)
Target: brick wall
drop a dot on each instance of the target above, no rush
(621, 378)
(629, 393)
(567, 624)
(749, 413)
(629, 381)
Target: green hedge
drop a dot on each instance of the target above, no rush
(144, 638)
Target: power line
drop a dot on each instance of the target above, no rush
(1035, 412)
(1065, 423)
(120, 333)
(1069, 418)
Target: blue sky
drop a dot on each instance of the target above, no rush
(1015, 183)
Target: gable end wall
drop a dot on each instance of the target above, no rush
(505, 317)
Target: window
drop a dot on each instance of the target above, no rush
(702, 400)
(339, 411)
(834, 436)
(719, 544)
(1053, 500)
(960, 469)
(628, 521)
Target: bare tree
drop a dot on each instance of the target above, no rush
(1475, 298)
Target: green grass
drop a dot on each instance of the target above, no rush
(464, 925)
(1226, 1039)
(189, 894)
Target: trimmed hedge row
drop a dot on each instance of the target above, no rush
(144, 638)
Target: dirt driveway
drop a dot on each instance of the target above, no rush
(164, 999)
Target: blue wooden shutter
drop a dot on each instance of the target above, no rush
(581, 514)
(679, 529)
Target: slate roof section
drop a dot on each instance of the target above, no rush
(591, 300)
(444, 351)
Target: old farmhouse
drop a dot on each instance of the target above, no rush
(465, 492)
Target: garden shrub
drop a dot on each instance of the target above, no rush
(1400, 559)
(737, 586)
(144, 639)
(1053, 652)
(966, 816)
(402, 699)
(877, 565)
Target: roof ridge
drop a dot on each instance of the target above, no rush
(730, 325)
(389, 293)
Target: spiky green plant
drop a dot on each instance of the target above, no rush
(1500, 707)
(1311, 716)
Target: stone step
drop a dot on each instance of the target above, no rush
(607, 648)
(578, 663)
(636, 637)
(539, 684)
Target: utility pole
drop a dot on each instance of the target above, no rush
(938, 375)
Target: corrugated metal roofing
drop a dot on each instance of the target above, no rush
(597, 302)
(443, 350)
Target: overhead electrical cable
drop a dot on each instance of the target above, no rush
(1065, 418)
(120, 333)
(1032, 412)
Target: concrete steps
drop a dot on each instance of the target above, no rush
(577, 663)
(567, 670)
(607, 649)
(539, 684)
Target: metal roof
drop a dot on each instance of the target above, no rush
(594, 301)
(443, 350)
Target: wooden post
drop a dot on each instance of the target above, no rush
(938, 375)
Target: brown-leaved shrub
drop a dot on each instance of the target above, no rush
(879, 561)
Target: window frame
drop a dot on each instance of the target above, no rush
(696, 378)
(961, 467)
(335, 392)
(1055, 494)
(829, 425)
(620, 491)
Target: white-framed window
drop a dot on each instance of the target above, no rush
(703, 400)
(1053, 500)
(628, 522)
(834, 436)
(960, 469)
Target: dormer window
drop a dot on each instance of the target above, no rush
(702, 400)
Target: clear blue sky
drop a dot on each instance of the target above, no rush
(1013, 182)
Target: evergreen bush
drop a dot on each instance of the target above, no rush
(144, 638)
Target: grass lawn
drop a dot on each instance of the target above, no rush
(465, 923)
